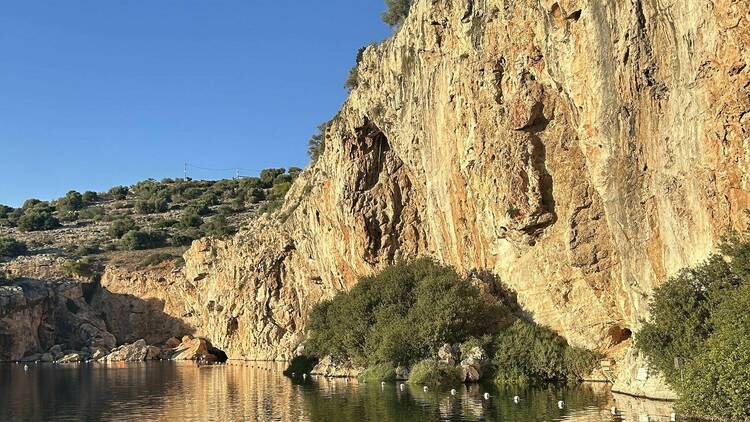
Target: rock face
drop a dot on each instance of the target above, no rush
(37, 315)
(581, 150)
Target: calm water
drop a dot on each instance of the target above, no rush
(258, 392)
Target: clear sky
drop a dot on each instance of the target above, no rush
(98, 93)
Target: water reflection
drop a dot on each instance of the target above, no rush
(258, 392)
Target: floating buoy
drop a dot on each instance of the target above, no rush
(293, 374)
(486, 396)
(516, 399)
(673, 417)
(453, 391)
(613, 410)
(382, 383)
(560, 404)
(26, 367)
(424, 388)
(304, 376)
(401, 387)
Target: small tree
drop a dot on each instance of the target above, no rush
(90, 197)
(39, 218)
(397, 11)
(119, 227)
(316, 145)
(118, 192)
(72, 201)
(10, 247)
(267, 176)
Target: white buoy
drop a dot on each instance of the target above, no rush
(304, 376)
(293, 374)
(382, 383)
(673, 417)
(486, 396)
(26, 367)
(453, 391)
(424, 388)
(401, 387)
(560, 404)
(613, 410)
(516, 399)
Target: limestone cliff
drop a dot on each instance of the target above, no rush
(580, 150)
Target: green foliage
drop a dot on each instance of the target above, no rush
(92, 213)
(397, 11)
(119, 227)
(267, 176)
(152, 205)
(80, 268)
(433, 373)
(352, 80)
(184, 237)
(10, 247)
(90, 197)
(301, 365)
(190, 218)
(155, 258)
(142, 239)
(526, 353)
(217, 227)
(316, 145)
(72, 201)
(378, 373)
(401, 315)
(279, 191)
(39, 217)
(118, 193)
(700, 317)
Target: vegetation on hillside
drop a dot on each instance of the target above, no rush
(150, 214)
(402, 316)
(698, 333)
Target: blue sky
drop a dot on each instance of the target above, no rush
(100, 93)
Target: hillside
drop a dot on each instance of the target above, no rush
(156, 219)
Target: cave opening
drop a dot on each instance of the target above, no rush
(221, 356)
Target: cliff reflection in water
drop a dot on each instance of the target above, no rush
(258, 392)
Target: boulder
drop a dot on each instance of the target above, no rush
(47, 357)
(32, 358)
(473, 364)
(56, 351)
(470, 373)
(135, 352)
(99, 354)
(70, 358)
(447, 354)
(172, 343)
(193, 349)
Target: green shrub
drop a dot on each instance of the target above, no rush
(166, 223)
(10, 247)
(270, 206)
(155, 258)
(217, 227)
(278, 192)
(80, 268)
(301, 365)
(90, 197)
(141, 239)
(152, 205)
(38, 218)
(267, 176)
(190, 218)
(72, 201)
(433, 373)
(92, 213)
(352, 80)
(378, 373)
(118, 193)
(184, 237)
(119, 227)
(527, 353)
(402, 315)
(397, 11)
(699, 318)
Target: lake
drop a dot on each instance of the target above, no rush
(239, 391)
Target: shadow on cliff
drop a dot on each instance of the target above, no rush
(130, 318)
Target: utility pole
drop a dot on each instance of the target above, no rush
(237, 174)
(184, 170)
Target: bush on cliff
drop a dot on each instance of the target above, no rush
(402, 315)
(699, 319)
(38, 218)
(142, 239)
(11, 248)
(397, 11)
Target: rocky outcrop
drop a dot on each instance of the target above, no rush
(581, 150)
(37, 315)
(138, 351)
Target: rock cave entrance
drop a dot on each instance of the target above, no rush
(221, 355)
